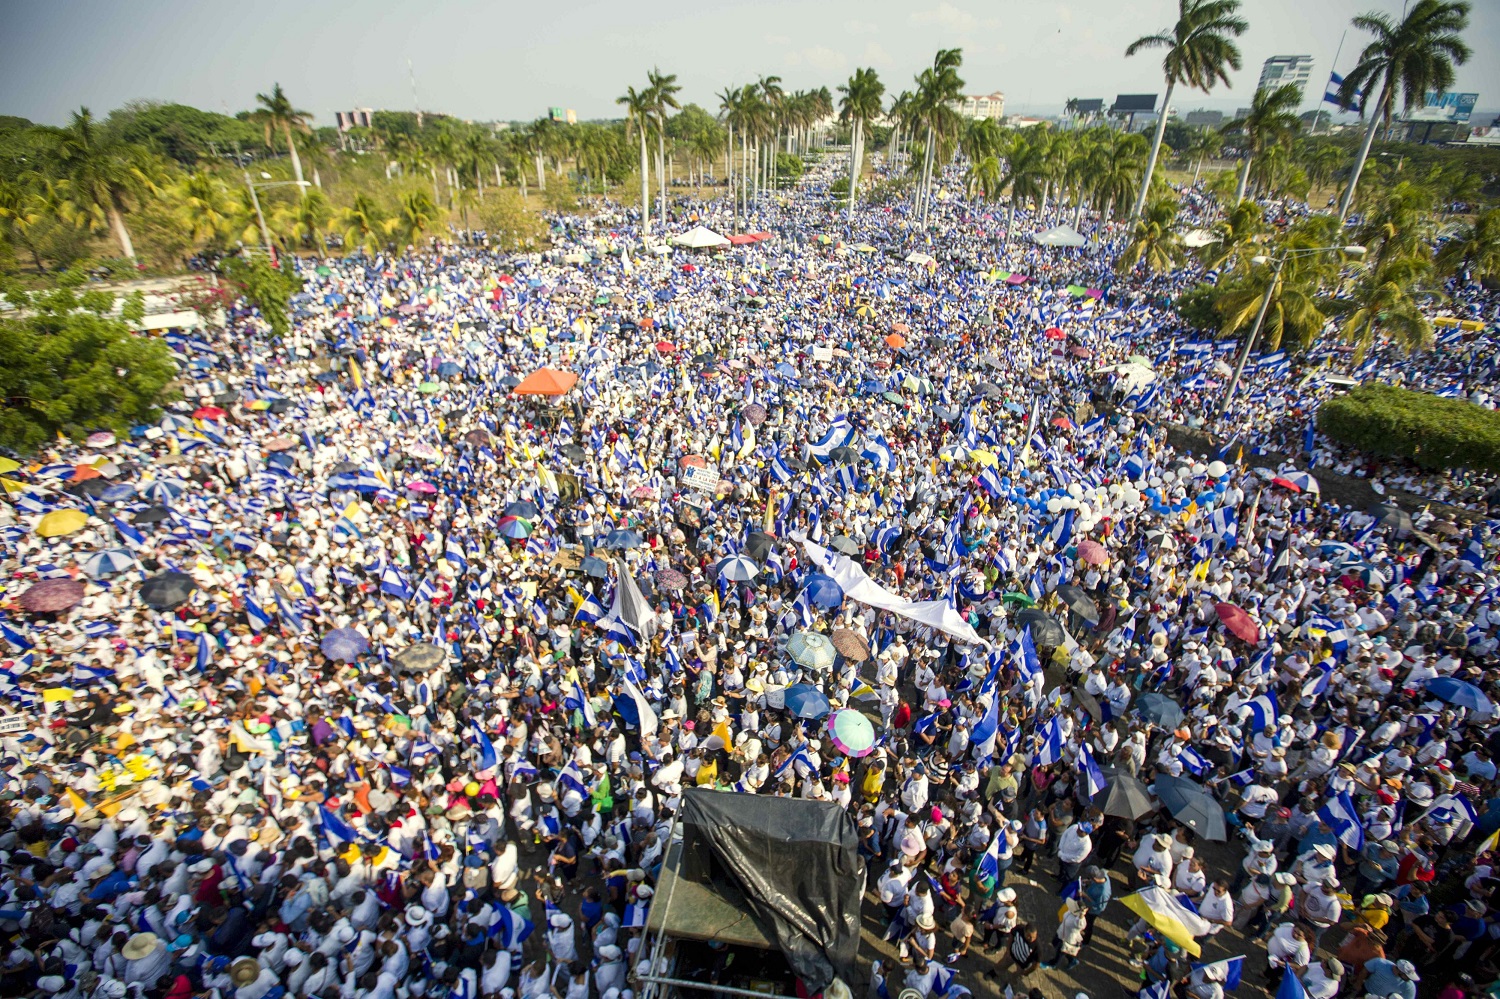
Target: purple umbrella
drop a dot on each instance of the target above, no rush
(345, 644)
(52, 595)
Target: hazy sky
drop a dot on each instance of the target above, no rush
(513, 60)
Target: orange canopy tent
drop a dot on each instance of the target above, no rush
(546, 381)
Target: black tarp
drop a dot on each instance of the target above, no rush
(797, 863)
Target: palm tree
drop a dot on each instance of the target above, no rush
(1237, 233)
(308, 219)
(772, 101)
(1292, 313)
(414, 216)
(1153, 242)
(1199, 50)
(1116, 164)
(1398, 226)
(859, 105)
(1386, 305)
(1204, 144)
(1025, 175)
(277, 114)
(203, 207)
(638, 109)
(730, 110)
(1413, 56)
(1271, 121)
(100, 177)
(663, 89)
(363, 224)
(1474, 251)
(26, 205)
(937, 88)
(984, 177)
(1320, 160)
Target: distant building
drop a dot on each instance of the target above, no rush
(563, 116)
(1280, 70)
(1203, 119)
(981, 105)
(358, 118)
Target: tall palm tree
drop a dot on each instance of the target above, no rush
(363, 224)
(1117, 164)
(308, 220)
(731, 111)
(859, 105)
(1154, 243)
(1320, 159)
(638, 110)
(1474, 251)
(1199, 54)
(415, 214)
(1398, 226)
(1292, 313)
(100, 177)
(1271, 121)
(1204, 144)
(1026, 169)
(664, 89)
(938, 87)
(772, 100)
(277, 114)
(1412, 56)
(203, 207)
(1386, 304)
(1237, 233)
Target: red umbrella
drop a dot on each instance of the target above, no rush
(208, 413)
(695, 460)
(1239, 622)
(1062, 422)
(52, 595)
(283, 443)
(1092, 552)
(1286, 484)
(1053, 333)
(665, 346)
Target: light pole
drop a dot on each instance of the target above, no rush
(265, 233)
(1276, 262)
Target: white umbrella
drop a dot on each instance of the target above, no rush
(1060, 235)
(700, 238)
(738, 568)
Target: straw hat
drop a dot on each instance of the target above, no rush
(140, 945)
(244, 971)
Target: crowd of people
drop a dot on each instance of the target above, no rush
(380, 665)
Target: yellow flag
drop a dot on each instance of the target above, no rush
(356, 375)
(54, 694)
(74, 801)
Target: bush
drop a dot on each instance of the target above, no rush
(1433, 432)
(1196, 307)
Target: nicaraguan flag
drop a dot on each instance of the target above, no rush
(259, 619)
(133, 539)
(879, 454)
(1049, 750)
(487, 756)
(510, 928)
(1193, 761)
(1088, 769)
(1262, 711)
(14, 637)
(1234, 970)
(989, 862)
(333, 825)
(578, 701)
(1342, 818)
(394, 583)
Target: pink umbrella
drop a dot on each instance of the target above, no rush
(1092, 552)
(1238, 622)
(418, 486)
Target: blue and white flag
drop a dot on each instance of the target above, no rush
(879, 454)
(1088, 769)
(1343, 819)
(1193, 761)
(1233, 967)
(487, 756)
(394, 583)
(1049, 750)
(1263, 711)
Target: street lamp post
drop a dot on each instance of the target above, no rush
(1276, 262)
(265, 234)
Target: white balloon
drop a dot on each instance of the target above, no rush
(1054, 505)
(1217, 468)
(1075, 490)
(1199, 468)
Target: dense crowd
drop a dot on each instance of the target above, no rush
(380, 665)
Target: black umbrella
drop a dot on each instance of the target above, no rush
(1159, 709)
(279, 406)
(152, 515)
(420, 657)
(844, 544)
(1078, 602)
(167, 590)
(759, 545)
(989, 390)
(574, 453)
(510, 381)
(843, 455)
(1192, 806)
(93, 488)
(1044, 627)
(1391, 516)
(795, 464)
(525, 509)
(1123, 796)
(343, 468)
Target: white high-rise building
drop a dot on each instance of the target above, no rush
(1283, 69)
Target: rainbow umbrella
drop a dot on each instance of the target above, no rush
(851, 732)
(514, 528)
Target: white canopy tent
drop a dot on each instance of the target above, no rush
(700, 238)
(1061, 235)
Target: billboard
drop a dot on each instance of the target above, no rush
(1134, 104)
(1090, 105)
(1445, 107)
(556, 114)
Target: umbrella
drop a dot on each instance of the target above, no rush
(1124, 796)
(758, 545)
(420, 657)
(1044, 627)
(152, 515)
(844, 544)
(754, 414)
(850, 644)
(1239, 622)
(1459, 693)
(60, 522)
(823, 590)
(851, 732)
(524, 509)
(989, 390)
(92, 488)
(805, 701)
(1017, 599)
(1286, 483)
(596, 567)
(282, 443)
(892, 397)
(843, 455)
(52, 595)
(163, 490)
(737, 568)
(1192, 806)
(209, 413)
(895, 341)
(102, 439)
(514, 528)
(1159, 709)
(574, 452)
(167, 590)
(621, 538)
(344, 644)
(1092, 552)
(1078, 602)
(671, 579)
(479, 438)
(82, 472)
(109, 562)
(1392, 516)
(810, 649)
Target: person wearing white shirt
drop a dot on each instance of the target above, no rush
(1217, 906)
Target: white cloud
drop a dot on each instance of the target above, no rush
(876, 55)
(777, 40)
(861, 27)
(820, 58)
(947, 17)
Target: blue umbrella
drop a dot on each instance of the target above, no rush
(622, 538)
(596, 567)
(785, 369)
(163, 490)
(448, 369)
(806, 701)
(1459, 693)
(107, 563)
(344, 644)
(1191, 805)
(117, 492)
(823, 591)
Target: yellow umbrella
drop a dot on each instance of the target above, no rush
(8, 465)
(982, 457)
(60, 522)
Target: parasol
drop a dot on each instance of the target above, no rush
(851, 732)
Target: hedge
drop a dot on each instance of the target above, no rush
(1433, 432)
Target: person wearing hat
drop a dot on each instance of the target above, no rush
(146, 959)
(1384, 977)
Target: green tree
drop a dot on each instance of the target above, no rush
(415, 214)
(1385, 304)
(1272, 121)
(859, 105)
(67, 366)
(277, 114)
(1203, 144)
(1409, 57)
(364, 224)
(1473, 252)
(1200, 53)
(938, 87)
(1154, 243)
(265, 287)
(1292, 314)
(638, 110)
(1237, 234)
(100, 178)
